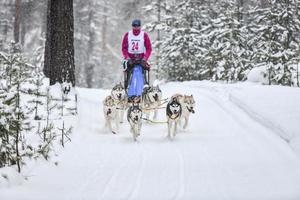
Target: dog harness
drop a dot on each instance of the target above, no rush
(175, 116)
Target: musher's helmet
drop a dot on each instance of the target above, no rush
(136, 23)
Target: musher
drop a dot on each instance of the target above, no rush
(136, 49)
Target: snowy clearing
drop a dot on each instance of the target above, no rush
(226, 153)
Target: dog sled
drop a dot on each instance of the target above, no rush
(136, 76)
(138, 99)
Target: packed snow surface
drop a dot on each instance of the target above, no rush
(237, 146)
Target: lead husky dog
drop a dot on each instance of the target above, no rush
(134, 117)
(119, 94)
(188, 104)
(110, 113)
(173, 112)
(151, 99)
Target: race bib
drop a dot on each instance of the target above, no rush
(136, 43)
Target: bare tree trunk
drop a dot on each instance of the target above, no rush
(158, 37)
(18, 131)
(17, 20)
(298, 73)
(24, 7)
(60, 42)
(104, 29)
(47, 55)
(104, 42)
(89, 69)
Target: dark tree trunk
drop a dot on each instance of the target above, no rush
(158, 37)
(44, 21)
(298, 74)
(89, 68)
(17, 20)
(47, 55)
(59, 50)
(24, 10)
(104, 30)
(26, 19)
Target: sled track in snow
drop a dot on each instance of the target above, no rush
(181, 179)
(243, 107)
(260, 119)
(138, 179)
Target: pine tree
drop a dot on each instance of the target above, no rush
(16, 114)
(36, 80)
(181, 48)
(63, 108)
(157, 10)
(277, 39)
(226, 50)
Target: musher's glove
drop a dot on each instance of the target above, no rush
(130, 63)
(145, 65)
(125, 65)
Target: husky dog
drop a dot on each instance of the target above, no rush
(110, 113)
(173, 112)
(188, 104)
(119, 94)
(134, 117)
(151, 100)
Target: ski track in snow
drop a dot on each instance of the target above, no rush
(201, 163)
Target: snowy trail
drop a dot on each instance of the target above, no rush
(224, 154)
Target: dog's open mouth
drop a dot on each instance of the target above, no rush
(108, 112)
(119, 96)
(136, 118)
(191, 110)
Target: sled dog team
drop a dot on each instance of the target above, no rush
(178, 109)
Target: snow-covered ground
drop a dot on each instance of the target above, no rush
(240, 144)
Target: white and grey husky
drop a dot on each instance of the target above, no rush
(151, 99)
(119, 94)
(134, 117)
(173, 112)
(188, 104)
(110, 113)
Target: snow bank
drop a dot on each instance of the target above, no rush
(258, 75)
(10, 177)
(276, 107)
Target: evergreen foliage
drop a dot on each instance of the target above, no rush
(225, 39)
(14, 113)
(27, 111)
